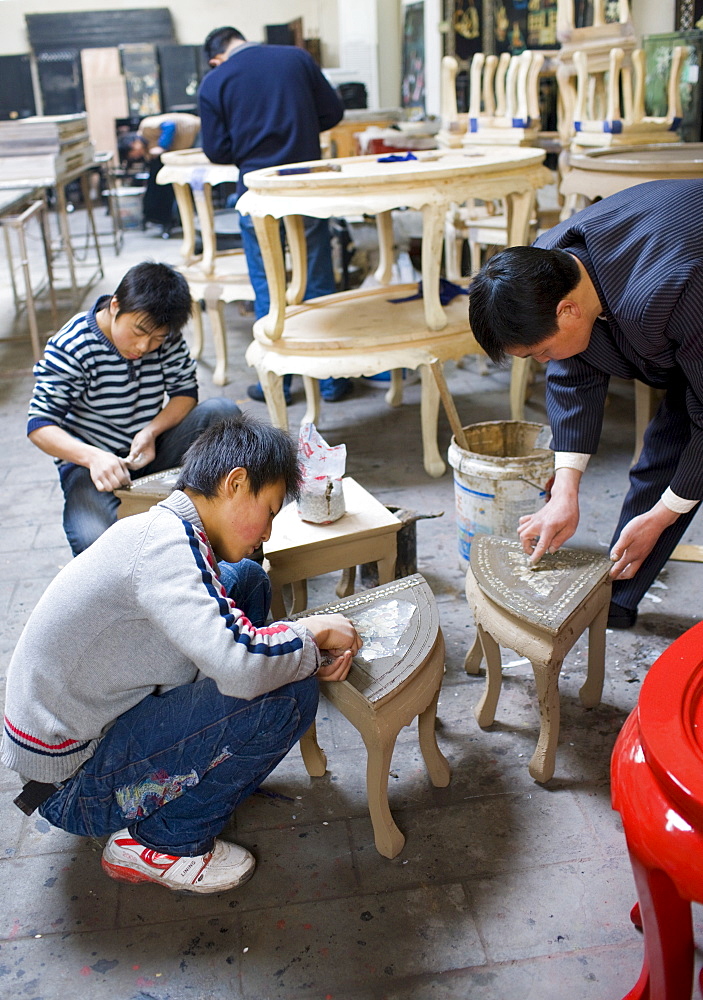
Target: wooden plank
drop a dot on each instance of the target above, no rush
(688, 553)
(105, 92)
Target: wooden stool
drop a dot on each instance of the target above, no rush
(386, 692)
(145, 492)
(298, 550)
(657, 787)
(540, 614)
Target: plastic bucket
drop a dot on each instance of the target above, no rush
(503, 476)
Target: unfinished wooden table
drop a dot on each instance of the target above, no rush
(298, 550)
(361, 332)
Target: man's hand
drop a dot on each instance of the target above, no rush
(547, 529)
(337, 638)
(637, 539)
(142, 450)
(108, 472)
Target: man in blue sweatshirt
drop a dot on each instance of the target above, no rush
(264, 105)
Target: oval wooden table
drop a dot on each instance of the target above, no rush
(361, 332)
(657, 787)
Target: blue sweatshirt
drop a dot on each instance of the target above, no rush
(265, 105)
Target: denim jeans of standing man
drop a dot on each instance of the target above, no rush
(175, 767)
(88, 512)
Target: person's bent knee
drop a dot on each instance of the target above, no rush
(216, 409)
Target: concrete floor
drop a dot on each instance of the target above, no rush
(504, 889)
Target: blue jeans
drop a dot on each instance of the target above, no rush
(320, 278)
(174, 768)
(87, 512)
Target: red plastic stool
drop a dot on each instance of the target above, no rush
(657, 787)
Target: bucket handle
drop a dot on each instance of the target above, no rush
(535, 486)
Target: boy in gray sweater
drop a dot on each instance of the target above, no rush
(146, 697)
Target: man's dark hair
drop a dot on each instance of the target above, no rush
(513, 299)
(267, 453)
(125, 143)
(219, 39)
(158, 291)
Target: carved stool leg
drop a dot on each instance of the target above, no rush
(435, 761)
(667, 970)
(485, 711)
(345, 587)
(547, 680)
(379, 744)
(472, 662)
(300, 596)
(592, 689)
(312, 753)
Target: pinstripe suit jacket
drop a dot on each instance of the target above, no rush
(643, 250)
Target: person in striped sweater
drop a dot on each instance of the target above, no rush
(116, 392)
(146, 697)
(615, 290)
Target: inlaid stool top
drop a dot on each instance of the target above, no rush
(545, 596)
(398, 623)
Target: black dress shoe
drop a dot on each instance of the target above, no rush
(619, 617)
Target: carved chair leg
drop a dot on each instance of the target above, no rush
(544, 758)
(592, 690)
(196, 347)
(312, 400)
(435, 761)
(379, 749)
(312, 753)
(394, 396)
(273, 394)
(485, 711)
(216, 315)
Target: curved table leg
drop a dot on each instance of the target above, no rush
(312, 753)
(432, 236)
(295, 234)
(384, 227)
(435, 761)
(485, 710)
(519, 378)
(429, 412)
(544, 758)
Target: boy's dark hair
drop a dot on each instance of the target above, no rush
(267, 453)
(158, 291)
(125, 143)
(218, 40)
(513, 299)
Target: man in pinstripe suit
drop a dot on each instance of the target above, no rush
(615, 290)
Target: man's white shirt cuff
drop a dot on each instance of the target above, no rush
(571, 460)
(676, 503)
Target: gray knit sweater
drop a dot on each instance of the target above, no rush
(138, 612)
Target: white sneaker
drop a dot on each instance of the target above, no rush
(224, 867)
